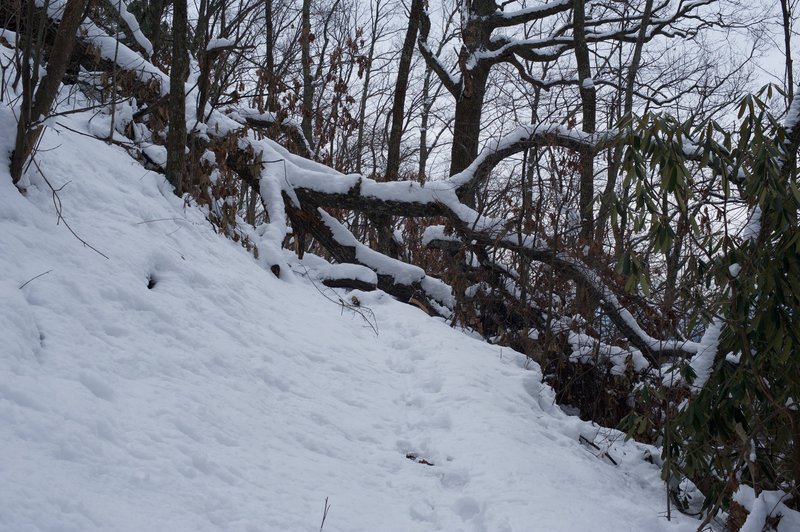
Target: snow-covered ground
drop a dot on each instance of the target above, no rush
(222, 398)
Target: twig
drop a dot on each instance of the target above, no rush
(603, 454)
(120, 143)
(324, 514)
(366, 314)
(59, 210)
(23, 285)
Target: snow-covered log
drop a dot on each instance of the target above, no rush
(307, 187)
(404, 281)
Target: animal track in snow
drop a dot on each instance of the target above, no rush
(467, 508)
(96, 385)
(432, 384)
(455, 478)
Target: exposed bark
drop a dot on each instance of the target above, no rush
(154, 14)
(467, 124)
(589, 120)
(176, 138)
(350, 284)
(787, 48)
(790, 169)
(272, 96)
(204, 59)
(307, 219)
(308, 87)
(476, 36)
(401, 86)
(29, 127)
(423, 127)
(362, 108)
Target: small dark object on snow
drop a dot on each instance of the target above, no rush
(413, 457)
(150, 282)
(276, 269)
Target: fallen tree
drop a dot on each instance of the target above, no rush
(476, 250)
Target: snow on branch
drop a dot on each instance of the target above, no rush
(253, 118)
(529, 49)
(450, 82)
(790, 124)
(295, 186)
(133, 26)
(501, 19)
(404, 281)
(522, 138)
(439, 198)
(578, 271)
(110, 49)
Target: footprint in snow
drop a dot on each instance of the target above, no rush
(400, 344)
(455, 478)
(432, 384)
(423, 511)
(400, 365)
(96, 385)
(466, 508)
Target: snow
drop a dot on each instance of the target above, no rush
(111, 49)
(519, 134)
(792, 115)
(588, 350)
(453, 79)
(222, 398)
(652, 343)
(532, 11)
(437, 232)
(133, 26)
(503, 46)
(220, 42)
(347, 271)
(767, 503)
(703, 361)
(753, 226)
(400, 271)
(156, 153)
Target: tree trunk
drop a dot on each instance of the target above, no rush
(467, 127)
(362, 109)
(423, 128)
(401, 86)
(308, 88)
(176, 139)
(155, 13)
(28, 128)
(476, 36)
(589, 119)
(787, 48)
(272, 97)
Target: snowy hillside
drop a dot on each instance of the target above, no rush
(178, 385)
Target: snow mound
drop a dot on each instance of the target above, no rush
(179, 385)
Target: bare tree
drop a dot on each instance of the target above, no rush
(176, 139)
(38, 96)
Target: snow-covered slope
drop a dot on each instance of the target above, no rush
(225, 399)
